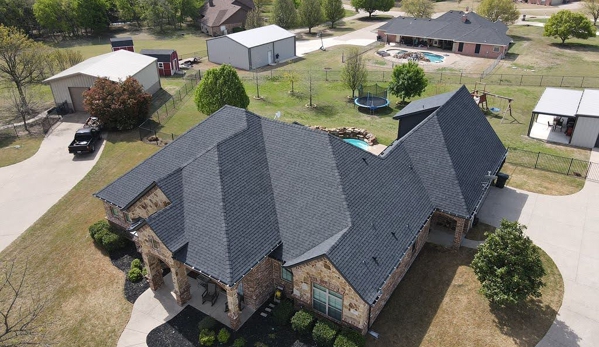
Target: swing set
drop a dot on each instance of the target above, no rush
(481, 100)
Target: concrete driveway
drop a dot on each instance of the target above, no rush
(29, 188)
(567, 228)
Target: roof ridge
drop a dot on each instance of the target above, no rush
(223, 210)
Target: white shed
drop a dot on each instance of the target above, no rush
(253, 49)
(70, 84)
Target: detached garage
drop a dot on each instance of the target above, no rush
(252, 49)
(70, 84)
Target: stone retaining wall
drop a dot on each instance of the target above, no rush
(350, 133)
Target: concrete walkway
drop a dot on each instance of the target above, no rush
(567, 228)
(29, 188)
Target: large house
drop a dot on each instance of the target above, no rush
(219, 17)
(464, 33)
(252, 204)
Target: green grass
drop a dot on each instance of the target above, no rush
(27, 146)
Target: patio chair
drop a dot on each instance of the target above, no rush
(203, 282)
(549, 125)
(211, 294)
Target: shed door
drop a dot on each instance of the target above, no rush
(270, 57)
(77, 98)
(597, 142)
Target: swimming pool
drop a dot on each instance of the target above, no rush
(434, 58)
(396, 51)
(358, 143)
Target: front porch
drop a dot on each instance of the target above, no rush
(543, 128)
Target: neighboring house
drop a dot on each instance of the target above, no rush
(70, 84)
(219, 17)
(118, 43)
(253, 49)
(254, 204)
(464, 33)
(168, 60)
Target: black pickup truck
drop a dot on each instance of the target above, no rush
(86, 138)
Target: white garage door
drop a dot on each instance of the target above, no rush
(77, 98)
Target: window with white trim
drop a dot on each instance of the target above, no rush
(160, 65)
(286, 274)
(327, 301)
(114, 211)
(496, 49)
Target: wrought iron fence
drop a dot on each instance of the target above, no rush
(553, 163)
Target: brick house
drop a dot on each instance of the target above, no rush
(167, 59)
(219, 17)
(464, 33)
(254, 204)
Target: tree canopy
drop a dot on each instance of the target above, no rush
(591, 7)
(418, 8)
(219, 87)
(566, 24)
(499, 10)
(354, 71)
(284, 13)
(408, 80)
(508, 265)
(373, 5)
(333, 11)
(310, 14)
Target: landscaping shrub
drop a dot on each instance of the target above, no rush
(302, 322)
(103, 234)
(136, 264)
(349, 338)
(283, 312)
(207, 323)
(324, 333)
(223, 335)
(97, 227)
(239, 342)
(134, 275)
(207, 337)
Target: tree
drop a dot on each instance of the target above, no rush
(61, 59)
(19, 312)
(591, 7)
(92, 15)
(354, 71)
(130, 10)
(373, 5)
(566, 24)
(253, 19)
(18, 14)
(156, 12)
(118, 105)
(333, 11)
(219, 87)
(418, 8)
(284, 13)
(293, 77)
(508, 265)
(52, 15)
(408, 80)
(310, 14)
(499, 10)
(21, 63)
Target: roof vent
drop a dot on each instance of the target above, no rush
(464, 18)
(375, 260)
(394, 236)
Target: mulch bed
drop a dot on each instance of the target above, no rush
(122, 259)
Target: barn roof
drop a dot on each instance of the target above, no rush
(260, 36)
(121, 41)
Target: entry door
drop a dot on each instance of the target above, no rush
(270, 57)
(223, 29)
(77, 98)
(477, 49)
(460, 46)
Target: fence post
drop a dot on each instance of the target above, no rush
(541, 83)
(441, 77)
(536, 162)
(582, 82)
(561, 82)
(140, 137)
(15, 129)
(569, 167)
(500, 78)
(172, 137)
(383, 76)
(158, 115)
(521, 76)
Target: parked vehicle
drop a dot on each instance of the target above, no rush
(86, 138)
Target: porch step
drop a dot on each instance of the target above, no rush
(271, 305)
(277, 300)
(268, 309)
(263, 314)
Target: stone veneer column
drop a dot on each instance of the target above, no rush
(182, 288)
(152, 263)
(460, 231)
(233, 303)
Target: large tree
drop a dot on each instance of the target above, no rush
(92, 15)
(61, 59)
(254, 19)
(418, 8)
(373, 5)
(118, 105)
(284, 13)
(18, 14)
(333, 11)
(310, 14)
(354, 71)
(21, 63)
(219, 87)
(566, 24)
(130, 10)
(508, 265)
(591, 7)
(53, 15)
(499, 10)
(407, 81)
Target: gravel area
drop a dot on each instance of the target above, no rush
(122, 260)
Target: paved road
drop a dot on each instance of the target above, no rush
(29, 188)
(567, 228)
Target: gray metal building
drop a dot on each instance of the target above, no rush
(252, 49)
(70, 84)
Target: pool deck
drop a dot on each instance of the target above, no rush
(448, 56)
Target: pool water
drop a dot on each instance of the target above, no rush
(358, 143)
(434, 58)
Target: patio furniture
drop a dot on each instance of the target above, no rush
(549, 125)
(203, 282)
(211, 294)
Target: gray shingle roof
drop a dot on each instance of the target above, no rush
(241, 186)
(163, 55)
(121, 41)
(449, 26)
(425, 104)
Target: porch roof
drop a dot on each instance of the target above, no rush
(559, 102)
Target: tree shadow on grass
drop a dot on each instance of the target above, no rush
(576, 47)
(518, 38)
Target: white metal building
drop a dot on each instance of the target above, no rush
(576, 113)
(252, 49)
(70, 84)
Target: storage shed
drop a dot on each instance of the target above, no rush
(70, 84)
(168, 60)
(253, 49)
(118, 43)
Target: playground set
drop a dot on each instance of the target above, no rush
(481, 100)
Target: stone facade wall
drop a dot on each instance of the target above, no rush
(350, 133)
(151, 202)
(119, 220)
(279, 281)
(459, 226)
(322, 272)
(258, 284)
(398, 274)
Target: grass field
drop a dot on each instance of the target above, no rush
(17, 149)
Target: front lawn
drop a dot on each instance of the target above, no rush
(16, 149)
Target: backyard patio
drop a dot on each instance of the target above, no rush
(544, 129)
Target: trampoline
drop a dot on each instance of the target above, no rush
(372, 97)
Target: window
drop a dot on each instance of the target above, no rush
(327, 301)
(114, 210)
(286, 274)
(477, 48)
(127, 217)
(461, 47)
(496, 49)
(154, 243)
(160, 65)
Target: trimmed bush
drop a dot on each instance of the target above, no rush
(349, 338)
(207, 323)
(97, 227)
(324, 333)
(136, 264)
(207, 337)
(302, 322)
(134, 275)
(223, 335)
(239, 342)
(103, 234)
(283, 312)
